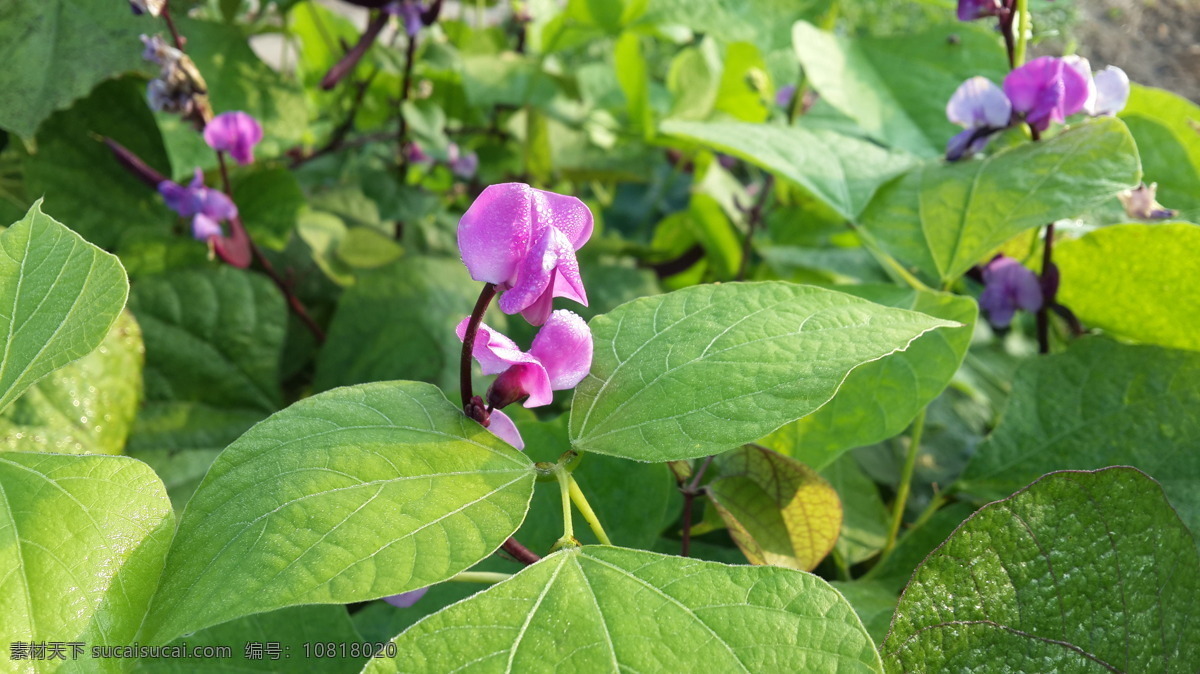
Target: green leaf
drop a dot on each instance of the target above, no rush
(1135, 281)
(214, 339)
(841, 171)
(865, 518)
(880, 399)
(398, 322)
(896, 88)
(1164, 126)
(943, 218)
(82, 544)
(639, 611)
(745, 92)
(86, 407)
(353, 494)
(778, 510)
(1099, 404)
(60, 297)
(873, 602)
(269, 202)
(631, 75)
(237, 80)
(55, 51)
(779, 351)
(1079, 572)
(322, 637)
(82, 181)
(693, 80)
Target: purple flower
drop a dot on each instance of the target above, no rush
(1046, 89)
(406, 599)
(409, 12)
(559, 358)
(1008, 286)
(462, 165)
(1112, 91)
(783, 97)
(982, 109)
(415, 154)
(969, 10)
(207, 207)
(236, 133)
(524, 240)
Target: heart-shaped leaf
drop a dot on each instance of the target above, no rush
(60, 297)
(708, 368)
(357, 493)
(612, 609)
(942, 218)
(1079, 572)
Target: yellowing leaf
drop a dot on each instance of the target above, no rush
(778, 510)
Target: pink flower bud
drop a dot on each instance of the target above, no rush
(236, 133)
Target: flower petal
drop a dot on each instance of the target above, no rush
(204, 227)
(566, 214)
(564, 347)
(494, 351)
(523, 380)
(1112, 91)
(551, 255)
(1083, 67)
(406, 599)
(503, 427)
(236, 133)
(495, 233)
(979, 102)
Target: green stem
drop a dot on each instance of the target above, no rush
(889, 263)
(585, 509)
(564, 486)
(1024, 27)
(488, 577)
(910, 464)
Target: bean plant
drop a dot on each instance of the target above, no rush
(592, 335)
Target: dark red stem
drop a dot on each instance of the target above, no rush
(481, 305)
(519, 552)
(690, 492)
(1049, 288)
(166, 15)
(346, 64)
(134, 164)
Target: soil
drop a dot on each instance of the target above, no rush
(1156, 42)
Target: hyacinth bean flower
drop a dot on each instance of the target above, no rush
(151, 7)
(406, 599)
(559, 358)
(236, 133)
(1008, 286)
(969, 10)
(409, 12)
(524, 240)
(462, 164)
(207, 207)
(1112, 92)
(982, 109)
(1047, 89)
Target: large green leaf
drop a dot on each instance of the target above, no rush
(1135, 281)
(398, 322)
(1164, 126)
(237, 80)
(353, 494)
(864, 516)
(81, 180)
(841, 171)
(708, 368)
(1079, 572)
(82, 544)
(55, 51)
(59, 298)
(896, 88)
(611, 609)
(880, 399)
(1099, 404)
(942, 218)
(778, 510)
(86, 407)
(213, 342)
(322, 637)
